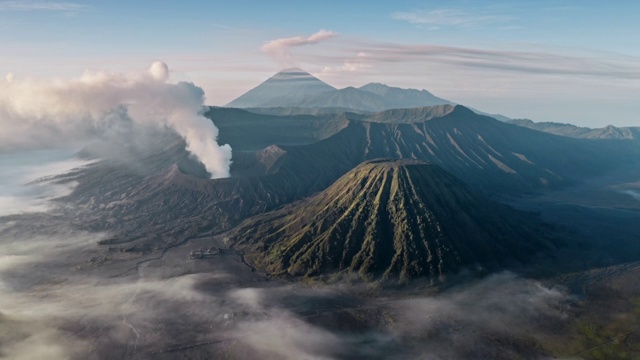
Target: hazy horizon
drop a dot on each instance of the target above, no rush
(571, 61)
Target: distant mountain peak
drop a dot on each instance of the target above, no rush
(374, 85)
(284, 89)
(292, 70)
(377, 87)
(563, 129)
(291, 73)
(460, 109)
(404, 98)
(294, 87)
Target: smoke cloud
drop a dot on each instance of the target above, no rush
(38, 113)
(280, 49)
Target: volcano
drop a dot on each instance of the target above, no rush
(291, 90)
(391, 219)
(286, 88)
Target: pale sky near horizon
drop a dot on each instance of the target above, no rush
(565, 61)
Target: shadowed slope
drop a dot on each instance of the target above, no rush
(488, 155)
(485, 153)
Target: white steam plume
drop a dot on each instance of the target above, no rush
(41, 113)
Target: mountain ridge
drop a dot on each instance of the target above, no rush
(491, 157)
(296, 88)
(404, 98)
(570, 130)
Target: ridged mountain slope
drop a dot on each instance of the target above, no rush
(390, 219)
(483, 152)
(486, 154)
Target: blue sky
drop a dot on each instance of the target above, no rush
(566, 61)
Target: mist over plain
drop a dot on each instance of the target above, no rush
(55, 303)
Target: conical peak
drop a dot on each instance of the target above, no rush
(292, 70)
(389, 219)
(295, 76)
(292, 73)
(284, 89)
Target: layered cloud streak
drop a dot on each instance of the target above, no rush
(280, 49)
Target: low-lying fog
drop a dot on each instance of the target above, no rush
(633, 193)
(18, 171)
(58, 300)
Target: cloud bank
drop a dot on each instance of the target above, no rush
(26, 180)
(500, 317)
(438, 58)
(58, 301)
(280, 49)
(38, 113)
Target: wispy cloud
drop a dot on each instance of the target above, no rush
(281, 48)
(42, 6)
(505, 61)
(452, 17)
(359, 63)
(525, 81)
